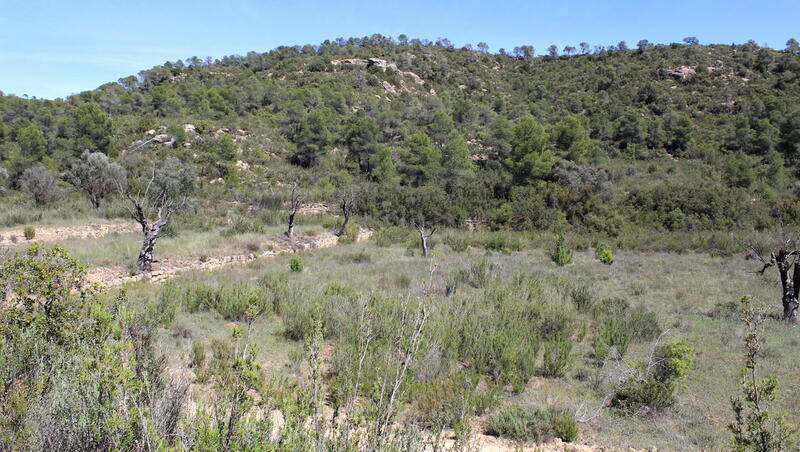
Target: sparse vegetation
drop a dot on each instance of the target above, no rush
(536, 424)
(29, 232)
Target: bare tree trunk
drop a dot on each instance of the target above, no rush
(786, 261)
(294, 206)
(347, 208)
(147, 252)
(423, 237)
(290, 229)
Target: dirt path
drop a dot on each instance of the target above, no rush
(45, 234)
(169, 267)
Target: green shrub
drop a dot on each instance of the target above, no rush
(18, 215)
(502, 242)
(391, 235)
(654, 388)
(557, 357)
(647, 395)
(536, 424)
(235, 302)
(583, 297)
(555, 319)
(615, 333)
(726, 310)
(198, 354)
(645, 324)
(562, 255)
(603, 254)
(350, 234)
(242, 225)
(29, 232)
(507, 355)
(457, 243)
(480, 273)
(40, 184)
(449, 401)
(296, 264)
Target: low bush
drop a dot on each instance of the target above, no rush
(456, 242)
(726, 310)
(243, 225)
(557, 357)
(450, 400)
(533, 424)
(653, 389)
(603, 254)
(562, 255)
(350, 234)
(40, 185)
(296, 264)
(29, 232)
(19, 215)
(391, 235)
(235, 302)
(503, 242)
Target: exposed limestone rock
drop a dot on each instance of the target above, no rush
(389, 87)
(161, 138)
(682, 72)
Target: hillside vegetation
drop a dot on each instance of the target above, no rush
(671, 137)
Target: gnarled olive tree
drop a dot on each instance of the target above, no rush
(95, 174)
(153, 202)
(294, 206)
(787, 261)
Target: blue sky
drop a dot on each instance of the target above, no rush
(54, 48)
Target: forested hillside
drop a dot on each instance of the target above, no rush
(672, 137)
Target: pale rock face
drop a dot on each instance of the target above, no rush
(161, 138)
(389, 87)
(682, 72)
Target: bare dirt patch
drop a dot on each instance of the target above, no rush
(46, 234)
(167, 268)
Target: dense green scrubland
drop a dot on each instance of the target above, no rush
(666, 137)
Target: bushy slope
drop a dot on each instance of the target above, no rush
(670, 136)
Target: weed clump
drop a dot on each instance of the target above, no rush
(603, 254)
(653, 389)
(391, 235)
(29, 232)
(235, 302)
(557, 357)
(533, 424)
(296, 264)
(562, 255)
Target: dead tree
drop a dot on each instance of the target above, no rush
(153, 210)
(294, 206)
(424, 235)
(347, 204)
(788, 264)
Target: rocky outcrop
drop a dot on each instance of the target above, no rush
(383, 64)
(681, 72)
(389, 87)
